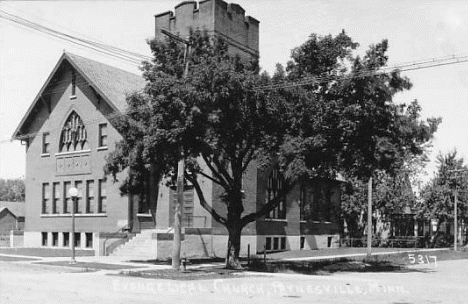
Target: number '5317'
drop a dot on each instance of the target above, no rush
(422, 259)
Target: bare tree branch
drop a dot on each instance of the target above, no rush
(223, 182)
(220, 219)
(267, 207)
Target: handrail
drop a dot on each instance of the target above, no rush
(197, 216)
(126, 227)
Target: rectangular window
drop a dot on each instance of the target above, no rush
(275, 191)
(56, 198)
(73, 84)
(283, 243)
(46, 143)
(275, 243)
(102, 135)
(303, 203)
(54, 239)
(66, 239)
(77, 239)
(102, 206)
(89, 240)
(268, 243)
(188, 209)
(45, 198)
(302, 242)
(79, 198)
(67, 198)
(90, 196)
(44, 238)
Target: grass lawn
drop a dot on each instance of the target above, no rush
(398, 262)
(330, 252)
(422, 257)
(45, 252)
(377, 263)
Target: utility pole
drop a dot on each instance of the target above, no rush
(180, 172)
(369, 218)
(455, 220)
(455, 211)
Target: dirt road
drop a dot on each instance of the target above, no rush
(23, 282)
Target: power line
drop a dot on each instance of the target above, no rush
(106, 49)
(135, 57)
(410, 66)
(417, 65)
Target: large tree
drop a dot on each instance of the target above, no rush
(438, 195)
(215, 116)
(212, 116)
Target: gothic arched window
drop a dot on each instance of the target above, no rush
(74, 135)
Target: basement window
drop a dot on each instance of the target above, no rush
(77, 239)
(66, 239)
(44, 238)
(89, 240)
(54, 239)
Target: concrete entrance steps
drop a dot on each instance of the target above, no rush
(143, 246)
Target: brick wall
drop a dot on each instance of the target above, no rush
(43, 168)
(217, 17)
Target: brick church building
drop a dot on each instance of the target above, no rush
(70, 120)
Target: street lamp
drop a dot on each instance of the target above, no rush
(73, 192)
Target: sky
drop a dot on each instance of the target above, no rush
(416, 30)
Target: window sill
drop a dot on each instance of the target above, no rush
(102, 148)
(317, 222)
(275, 220)
(73, 152)
(144, 215)
(76, 215)
(72, 97)
(45, 155)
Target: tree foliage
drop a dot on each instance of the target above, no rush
(438, 195)
(351, 125)
(222, 124)
(12, 190)
(392, 195)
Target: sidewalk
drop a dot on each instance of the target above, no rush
(337, 253)
(110, 263)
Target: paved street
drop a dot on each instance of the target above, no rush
(28, 282)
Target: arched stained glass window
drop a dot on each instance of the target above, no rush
(74, 136)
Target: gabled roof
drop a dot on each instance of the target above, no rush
(111, 83)
(114, 83)
(16, 208)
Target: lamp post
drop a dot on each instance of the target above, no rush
(73, 192)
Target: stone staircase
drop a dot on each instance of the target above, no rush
(143, 246)
(154, 244)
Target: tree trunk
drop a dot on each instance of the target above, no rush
(232, 256)
(436, 233)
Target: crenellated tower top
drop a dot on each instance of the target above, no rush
(227, 20)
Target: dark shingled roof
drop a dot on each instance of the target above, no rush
(114, 83)
(17, 208)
